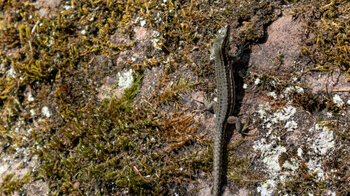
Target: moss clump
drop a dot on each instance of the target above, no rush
(115, 148)
(240, 172)
(10, 185)
(327, 23)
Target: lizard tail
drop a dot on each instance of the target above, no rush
(218, 156)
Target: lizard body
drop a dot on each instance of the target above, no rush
(225, 84)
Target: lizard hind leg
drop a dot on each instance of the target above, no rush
(235, 120)
(240, 127)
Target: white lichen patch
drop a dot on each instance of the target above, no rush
(141, 20)
(157, 43)
(270, 153)
(291, 165)
(257, 81)
(83, 32)
(270, 149)
(272, 94)
(142, 23)
(291, 125)
(323, 140)
(46, 112)
(300, 152)
(32, 112)
(320, 142)
(125, 79)
(267, 188)
(337, 100)
(282, 116)
(30, 97)
(297, 89)
(114, 86)
(315, 166)
(11, 72)
(329, 114)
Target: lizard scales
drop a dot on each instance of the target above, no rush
(225, 104)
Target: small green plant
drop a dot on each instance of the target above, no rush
(9, 185)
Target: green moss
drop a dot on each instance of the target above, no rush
(115, 147)
(10, 185)
(240, 172)
(326, 21)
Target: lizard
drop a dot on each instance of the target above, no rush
(225, 84)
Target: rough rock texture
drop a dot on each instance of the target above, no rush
(295, 126)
